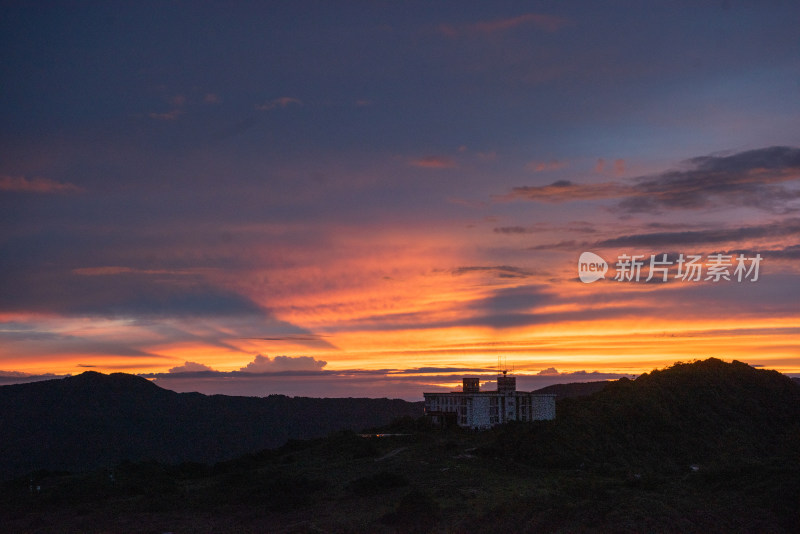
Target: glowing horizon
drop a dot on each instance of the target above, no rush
(394, 190)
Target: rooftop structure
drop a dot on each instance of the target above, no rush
(473, 408)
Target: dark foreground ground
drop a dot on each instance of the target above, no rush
(426, 482)
(702, 447)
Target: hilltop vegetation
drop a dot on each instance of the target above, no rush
(708, 412)
(700, 447)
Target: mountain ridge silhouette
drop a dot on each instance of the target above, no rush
(92, 420)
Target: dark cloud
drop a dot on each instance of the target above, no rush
(713, 236)
(513, 230)
(500, 271)
(787, 253)
(122, 293)
(570, 244)
(581, 227)
(35, 338)
(752, 178)
(777, 229)
(513, 299)
(748, 178)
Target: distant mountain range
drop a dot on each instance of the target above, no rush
(92, 420)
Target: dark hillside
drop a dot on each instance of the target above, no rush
(707, 447)
(707, 412)
(92, 420)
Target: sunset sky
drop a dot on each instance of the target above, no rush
(376, 198)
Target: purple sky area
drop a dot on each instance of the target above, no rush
(372, 196)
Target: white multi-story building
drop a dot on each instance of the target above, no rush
(473, 408)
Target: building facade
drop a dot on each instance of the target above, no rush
(473, 408)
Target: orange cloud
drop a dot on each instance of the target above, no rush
(541, 166)
(600, 165)
(619, 167)
(35, 185)
(190, 367)
(434, 162)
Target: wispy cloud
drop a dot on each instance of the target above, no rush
(112, 270)
(548, 23)
(581, 227)
(166, 116)
(500, 271)
(35, 185)
(282, 102)
(567, 191)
